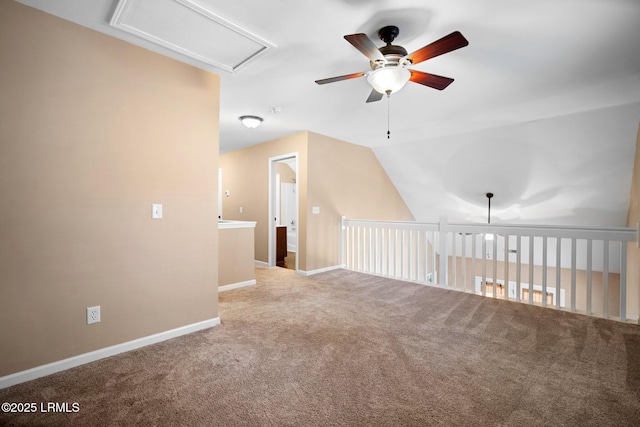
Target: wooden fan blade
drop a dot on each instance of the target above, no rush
(364, 44)
(446, 44)
(339, 78)
(431, 80)
(374, 96)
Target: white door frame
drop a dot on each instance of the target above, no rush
(272, 203)
(220, 193)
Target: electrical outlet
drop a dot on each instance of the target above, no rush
(93, 314)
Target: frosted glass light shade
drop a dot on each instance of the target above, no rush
(389, 79)
(251, 122)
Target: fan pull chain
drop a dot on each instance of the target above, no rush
(388, 114)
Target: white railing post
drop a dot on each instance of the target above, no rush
(494, 245)
(370, 255)
(589, 276)
(531, 268)
(506, 266)
(342, 240)
(454, 261)
(483, 285)
(623, 281)
(442, 231)
(464, 262)
(605, 279)
(434, 275)
(518, 267)
(376, 253)
(558, 270)
(473, 261)
(353, 246)
(573, 274)
(544, 271)
(388, 251)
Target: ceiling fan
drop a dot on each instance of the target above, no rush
(389, 64)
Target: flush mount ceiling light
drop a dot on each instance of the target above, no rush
(251, 122)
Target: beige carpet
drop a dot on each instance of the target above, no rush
(343, 348)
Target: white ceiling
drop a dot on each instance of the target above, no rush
(544, 110)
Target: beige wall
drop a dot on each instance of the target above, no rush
(95, 130)
(344, 179)
(633, 218)
(338, 177)
(236, 255)
(286, 173)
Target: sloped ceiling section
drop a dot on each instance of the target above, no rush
(572, 169)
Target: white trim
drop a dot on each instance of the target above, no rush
(72, 362)
(224, 224)
(278, 196)
(319, 270)
(123, 19)
(220, 193)
(236, 285)
(261, 263)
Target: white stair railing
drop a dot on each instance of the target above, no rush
(580, 269)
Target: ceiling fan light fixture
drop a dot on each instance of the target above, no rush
(388, 79)
(251, 122)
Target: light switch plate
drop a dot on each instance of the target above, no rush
(315, 210)
(156, 211)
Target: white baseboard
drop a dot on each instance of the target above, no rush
(320, 270)
(72, 362)
(262, 263)
(236, 285)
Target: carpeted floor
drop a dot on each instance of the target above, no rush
(347, 349)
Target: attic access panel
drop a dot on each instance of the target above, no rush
(191, 29)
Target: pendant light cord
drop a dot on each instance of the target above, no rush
(388, 114)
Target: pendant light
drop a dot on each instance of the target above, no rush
(489, 236)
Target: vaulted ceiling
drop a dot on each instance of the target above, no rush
(543, 112)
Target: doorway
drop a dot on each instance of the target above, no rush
(283, 211)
